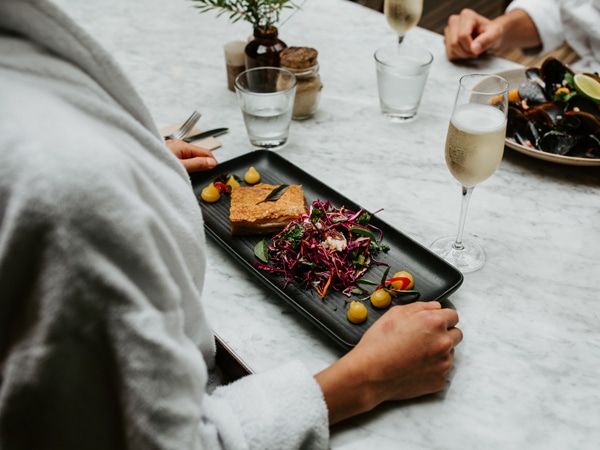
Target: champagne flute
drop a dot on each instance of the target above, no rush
(402, 15)
(474, 149)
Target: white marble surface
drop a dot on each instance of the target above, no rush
(527, 375)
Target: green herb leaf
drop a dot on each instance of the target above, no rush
(569, 79)
(260, 13)
(385, 275)
(363, 232)
(407, 293)
(261, 251)
(275, 194)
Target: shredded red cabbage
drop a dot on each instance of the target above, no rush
(325, 248)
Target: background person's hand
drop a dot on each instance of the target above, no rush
(468, 34)
(407, 353)
(193, 157)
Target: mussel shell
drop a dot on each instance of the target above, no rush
(553, 73)
(534, 89)
(528, 136)
(558, 142)
(522, 129)
(546, 115)
(533, 93)
(584, 104)
(579, 123)
(516, 121)
(587, 147)
(535, 75)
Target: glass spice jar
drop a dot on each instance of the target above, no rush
(302, 62)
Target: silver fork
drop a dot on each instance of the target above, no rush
(186, 127)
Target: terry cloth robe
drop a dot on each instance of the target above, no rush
(575, 21)
(104, 343)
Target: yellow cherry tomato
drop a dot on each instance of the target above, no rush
(381, 298)
(210, 194)
(357, 312)
(232, 182)
(399, 284)
(252, 176)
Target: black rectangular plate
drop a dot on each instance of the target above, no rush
(434, 278)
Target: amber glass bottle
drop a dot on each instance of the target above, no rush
(264, 49)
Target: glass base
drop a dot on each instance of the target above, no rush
(469, 259)
(400, 117)
(269, 144)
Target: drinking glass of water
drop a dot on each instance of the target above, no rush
(402, 72)
(474, 149)
(266, 97)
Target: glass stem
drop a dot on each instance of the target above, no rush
(400, 39)
(466, 196)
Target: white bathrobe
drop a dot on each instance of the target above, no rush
(103, 339)
(575, 21)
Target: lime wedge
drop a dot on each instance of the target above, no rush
(588, 85)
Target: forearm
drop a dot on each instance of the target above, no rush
(518, 30)
(405, 354)
(344, 391)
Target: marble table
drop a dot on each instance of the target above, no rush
(527, 373)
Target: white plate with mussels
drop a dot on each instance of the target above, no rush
(515, 79)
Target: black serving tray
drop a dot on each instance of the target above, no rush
(434, 277)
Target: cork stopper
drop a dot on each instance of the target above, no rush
(298, 57)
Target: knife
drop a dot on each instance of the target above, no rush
(205, 134)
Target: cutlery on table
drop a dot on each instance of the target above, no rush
(185, 128)
(205, 134)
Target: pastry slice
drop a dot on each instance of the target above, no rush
(250, 214)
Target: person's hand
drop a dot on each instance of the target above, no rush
(468, 34)
(410, 350)
(407, 353)
(193, 157)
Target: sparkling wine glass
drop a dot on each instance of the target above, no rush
(402, 15)
(474, 149)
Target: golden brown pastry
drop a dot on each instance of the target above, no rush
(250, 214)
